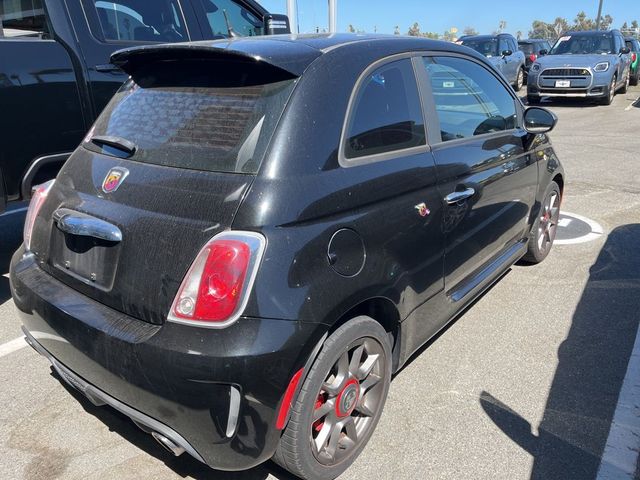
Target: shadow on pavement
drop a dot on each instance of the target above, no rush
(592, 364)
(185, 466)
(10, 239)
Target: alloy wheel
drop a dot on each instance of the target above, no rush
(348, 400)
(548, 223)
(612, 90)
(520, 80)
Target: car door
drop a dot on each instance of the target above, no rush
(102, 27)
(487, 179)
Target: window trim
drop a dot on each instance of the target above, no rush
(432, 114)
(96, 32)
(393, 154)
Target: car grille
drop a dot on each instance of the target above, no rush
(566, 72)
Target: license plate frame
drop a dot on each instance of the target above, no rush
(563, 83)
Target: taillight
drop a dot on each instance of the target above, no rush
(37, 199)
(216, 288)
(633, 57)
(533, 57)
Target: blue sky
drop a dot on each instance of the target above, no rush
(438, 16)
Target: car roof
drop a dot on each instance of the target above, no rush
(484, 37)
(589, 32)
(288, 53)
(534, 40)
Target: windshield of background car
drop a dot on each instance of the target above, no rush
(488, 48)
(188, 124)
(583, 45)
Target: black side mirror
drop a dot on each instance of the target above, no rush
(543, 52)
(625, 50)
(507, 53)
(275, 23)
(539, 120)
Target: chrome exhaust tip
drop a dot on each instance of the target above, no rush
(168, 444)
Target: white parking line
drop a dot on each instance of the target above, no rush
(620, 456)
(633, 104)
(12, 346)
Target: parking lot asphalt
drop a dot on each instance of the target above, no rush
(524, 385)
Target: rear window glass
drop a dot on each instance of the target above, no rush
(212, 128)
(527, 48)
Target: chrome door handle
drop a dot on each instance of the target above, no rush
(455, 197)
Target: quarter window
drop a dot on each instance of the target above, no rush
(242, 21)
(22, 18)
(141, 21)
(386, 114)
(469, 100)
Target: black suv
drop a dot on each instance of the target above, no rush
(240, 269)
(532, 49)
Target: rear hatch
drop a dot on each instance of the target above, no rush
(164, 169)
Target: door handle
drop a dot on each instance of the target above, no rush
(108, 68)
(75, 223)
(455, 197)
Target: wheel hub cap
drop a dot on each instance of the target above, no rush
(348, 398)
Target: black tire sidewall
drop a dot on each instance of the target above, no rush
(302, 410)
(534, 255)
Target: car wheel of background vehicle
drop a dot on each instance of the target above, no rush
(543, 232)
(608, 100)
(340, 402)
(519, 80)
(634, 78)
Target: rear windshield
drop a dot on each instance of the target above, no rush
(527, 48)
(583, 45)
(211, 128)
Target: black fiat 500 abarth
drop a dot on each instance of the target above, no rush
(256, 233)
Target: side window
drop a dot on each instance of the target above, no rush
(503, 45)
(469, 100)
(141, 21)
(242, 21)
(386, 114)
(22, 18)
(514, 45)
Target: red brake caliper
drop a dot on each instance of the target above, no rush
(317, 425)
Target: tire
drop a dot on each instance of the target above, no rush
(611, 93)
(533, 100)
(519, 80)
(625, 87)
(543, 232)
(330, 381)
(634, 78)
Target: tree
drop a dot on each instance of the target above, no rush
(396, 30)
(519, 35)
(625, 26)
(540, 29)
(634, 25)
(582, 22)
(414, 30)
(605, 22)
(351, 29)
(560, 26)
(470, 31)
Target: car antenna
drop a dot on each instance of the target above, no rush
(232, 33)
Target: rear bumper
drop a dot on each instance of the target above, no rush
(213, 393)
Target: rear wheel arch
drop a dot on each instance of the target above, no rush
(559, 179)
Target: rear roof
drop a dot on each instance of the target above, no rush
(288, 53)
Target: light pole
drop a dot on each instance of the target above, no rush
(333, 16)
(292, 13)
(599, 16)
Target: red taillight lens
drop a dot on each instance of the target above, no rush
(37, 199)
(215, 290)
(633, 57)
(533, 57)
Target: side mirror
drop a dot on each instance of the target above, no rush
(543, 52)
(507, 53)
(275, 23)
(539, 120)
(625, 50)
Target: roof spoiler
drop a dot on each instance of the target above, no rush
(275, 57)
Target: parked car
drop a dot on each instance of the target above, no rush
(532, 49)
(55, 75)
(590, 65)
(240, 269)
(502, 52)
(634, 46)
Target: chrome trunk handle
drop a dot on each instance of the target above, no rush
(81, 224)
